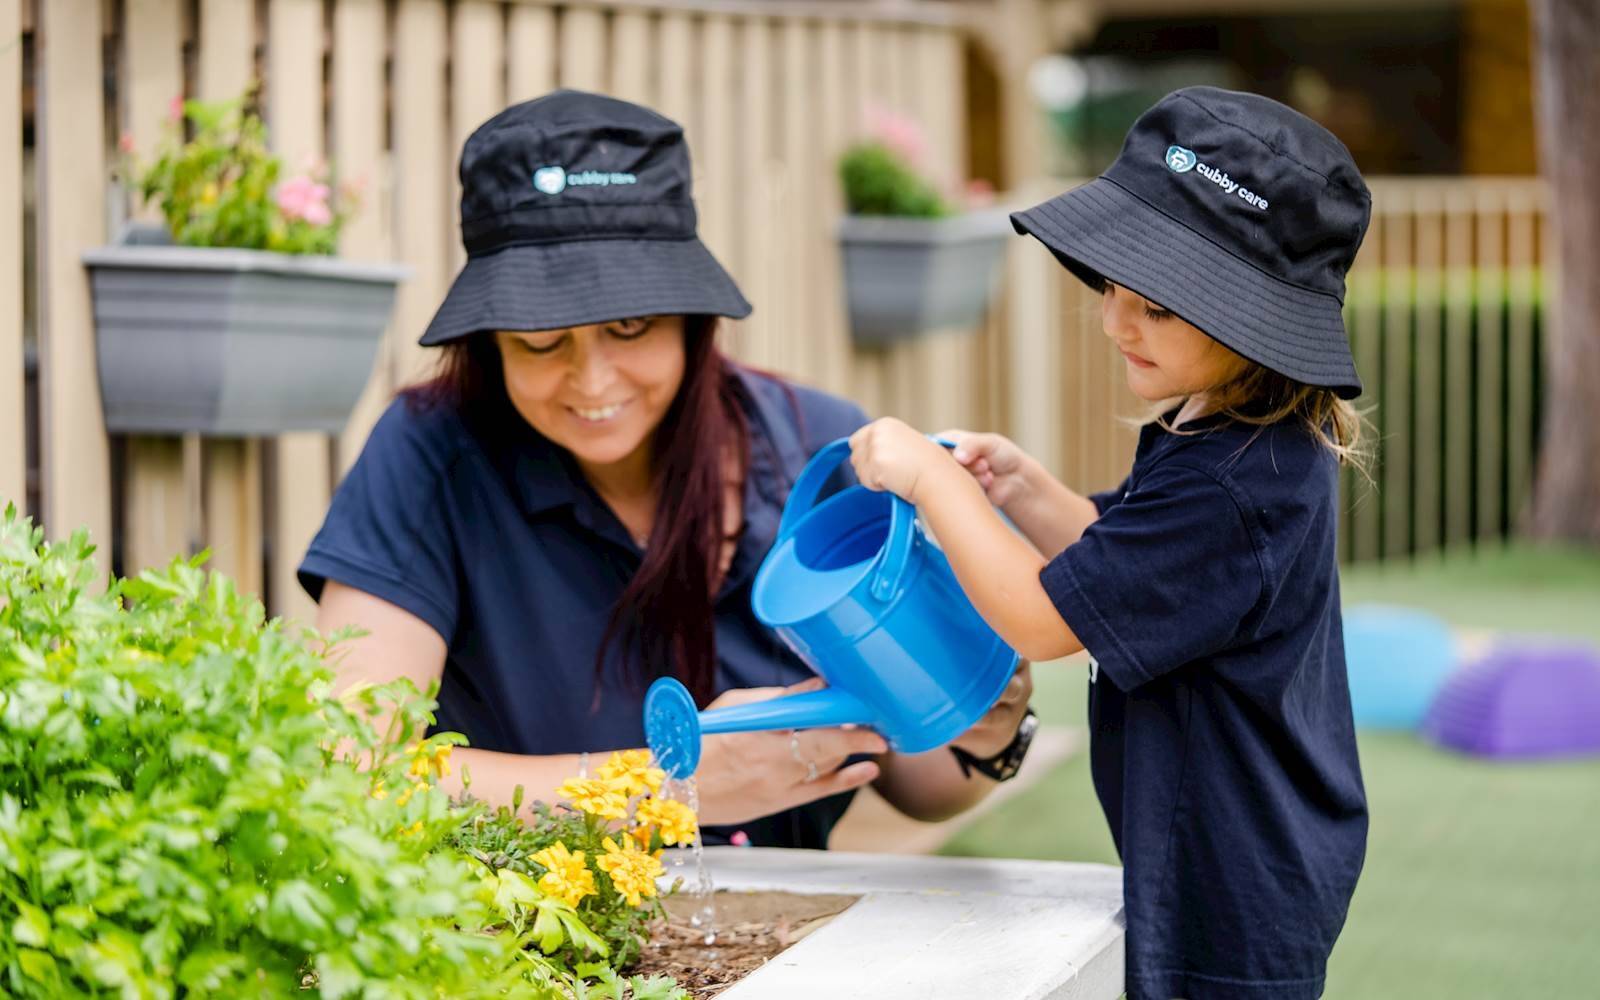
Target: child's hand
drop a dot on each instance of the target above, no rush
(994, 461)
(888, 455)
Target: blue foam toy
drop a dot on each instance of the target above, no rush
(1398, 659)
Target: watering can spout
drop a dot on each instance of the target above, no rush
(673, 726)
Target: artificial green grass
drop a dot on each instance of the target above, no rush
(1482, 878)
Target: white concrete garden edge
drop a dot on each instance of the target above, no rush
(929, 928)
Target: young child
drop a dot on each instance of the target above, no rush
(1205, 588)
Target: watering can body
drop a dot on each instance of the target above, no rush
(859, 591)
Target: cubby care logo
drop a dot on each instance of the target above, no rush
(553, 180)
(1181, 161)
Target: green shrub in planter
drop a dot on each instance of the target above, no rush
(912, 263)
(187, 808)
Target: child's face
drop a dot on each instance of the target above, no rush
(1164, 356)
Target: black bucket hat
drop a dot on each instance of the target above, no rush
(1235, 212)
(575, 209)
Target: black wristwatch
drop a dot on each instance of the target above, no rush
(1002, 766)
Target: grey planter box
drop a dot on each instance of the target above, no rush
(233, 343)
(904, 277)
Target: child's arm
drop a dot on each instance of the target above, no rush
(996, 567)
(1048, 514)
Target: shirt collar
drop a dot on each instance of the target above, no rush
(545, 476)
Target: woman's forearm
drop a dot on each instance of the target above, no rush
(929, 786)
(495, 775)
(1048, 513)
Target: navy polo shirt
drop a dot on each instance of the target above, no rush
(499, 543)
(1222, 746)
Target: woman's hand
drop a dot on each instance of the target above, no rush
(743, 776)
(994, 732)
(995, 461)
(889, 455)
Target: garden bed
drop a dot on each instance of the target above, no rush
(752, 927)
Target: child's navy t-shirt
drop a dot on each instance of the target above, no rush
(1222, 745)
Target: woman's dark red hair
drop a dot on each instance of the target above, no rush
(666, 609)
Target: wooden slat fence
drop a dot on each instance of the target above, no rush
(1445, 306)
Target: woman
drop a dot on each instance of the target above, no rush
(578, 502)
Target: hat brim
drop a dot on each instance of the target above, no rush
(552, 286)
(1113, 233)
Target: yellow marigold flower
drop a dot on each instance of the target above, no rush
(426, 763)
(595, 796)
(208, 194)
(378, 791)
(411, 789)
(642, 834)
(567, 878)
(632, 771)
(633, 872)
(409, 831)
(675, 820)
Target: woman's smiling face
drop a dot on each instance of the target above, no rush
(599, 391)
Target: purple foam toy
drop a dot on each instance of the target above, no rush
(1524, 699)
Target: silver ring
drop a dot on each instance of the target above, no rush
(794, 751)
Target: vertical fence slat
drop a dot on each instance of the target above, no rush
(583, 48)
(155, 526)
(1426, 507)
(1398, 306)
(232, 468)
(632, 66)
(13, 417)
(866, 365)
(1036, 346)
(832, 131)
(477, 92)
(1489, 333)
(422, 160)
(799, 149)
(946, 375)
(1367, 343)
(530, 52)
(300, 482)
(756, 185)
(716, 181)
(1521, 372)
(358, 157)
(75, 452)
(1458, 425)
(677, 67)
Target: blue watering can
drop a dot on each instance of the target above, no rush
(860, 593)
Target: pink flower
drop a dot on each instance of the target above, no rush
(303, 198)
(979, 193)
(125, 143)
(900, 133)
(175, 109)
(739, 839)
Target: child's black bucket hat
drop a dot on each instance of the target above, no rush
(1235, 212)
(576, 209)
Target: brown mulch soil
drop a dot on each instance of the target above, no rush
(752, 927)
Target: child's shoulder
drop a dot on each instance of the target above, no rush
(1247, 458)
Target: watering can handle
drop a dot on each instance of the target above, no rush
(892, 562)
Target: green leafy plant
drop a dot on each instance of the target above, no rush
(886, 173)
(223, 187)
(877, 181)
(188, 808)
